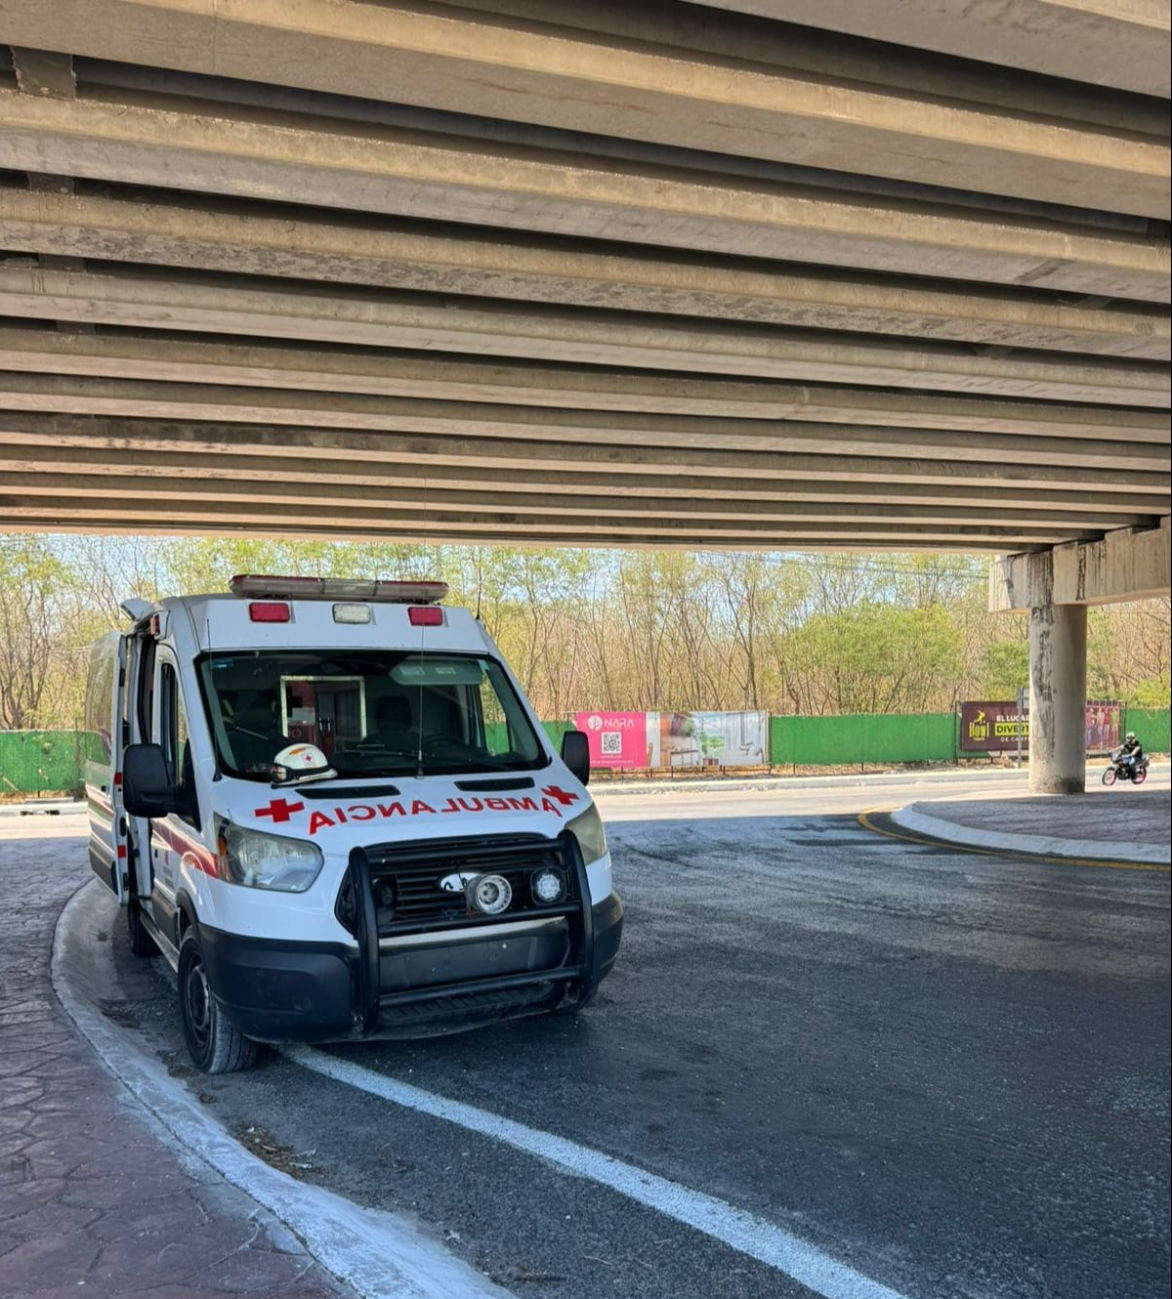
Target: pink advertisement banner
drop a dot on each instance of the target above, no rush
(616, 739)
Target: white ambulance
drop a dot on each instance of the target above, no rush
(330, 807)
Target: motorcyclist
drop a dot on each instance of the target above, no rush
(1130, 752)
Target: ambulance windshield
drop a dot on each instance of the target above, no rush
(372, 712)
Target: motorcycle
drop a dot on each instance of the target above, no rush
(1122, 768)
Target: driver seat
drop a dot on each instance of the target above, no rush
(254, 731)
(393, 723)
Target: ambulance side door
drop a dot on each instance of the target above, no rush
(177, 833)
(104, 742)
(140, 710)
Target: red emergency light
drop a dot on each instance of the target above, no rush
(425, 616)
(268, 611)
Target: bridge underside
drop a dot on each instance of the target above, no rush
(564, 271)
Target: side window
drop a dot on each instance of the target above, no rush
(484, 701)
(174, 741)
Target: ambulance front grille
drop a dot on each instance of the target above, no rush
(405, 879)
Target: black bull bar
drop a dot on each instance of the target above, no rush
(366, 866)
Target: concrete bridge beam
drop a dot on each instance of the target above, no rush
(41, 394)
(1124, 565)
(1121, 43)
(54, 470)
(424, 258)
(431, 322)
(983, 475)
(330, 382)
(425, 521)
(74, 484)
(211, 148)
(652, 87)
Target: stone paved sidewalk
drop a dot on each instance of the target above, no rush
(92, 1201)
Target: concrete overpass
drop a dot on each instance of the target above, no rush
(744, 273)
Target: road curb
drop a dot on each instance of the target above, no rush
(42, 807)
(916, 821)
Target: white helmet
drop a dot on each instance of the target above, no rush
(302, 762)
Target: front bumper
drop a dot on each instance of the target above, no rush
(278, 991)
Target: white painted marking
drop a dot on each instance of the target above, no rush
(743, 1231)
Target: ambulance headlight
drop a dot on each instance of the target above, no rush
(267, 861)
(588, 831)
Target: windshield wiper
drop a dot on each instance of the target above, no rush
(474, 764)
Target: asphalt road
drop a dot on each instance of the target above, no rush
(948, 1071)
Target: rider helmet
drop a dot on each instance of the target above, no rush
(1129, 736)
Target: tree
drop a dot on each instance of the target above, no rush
(35, 644)
(588, 629)
(1005, 669)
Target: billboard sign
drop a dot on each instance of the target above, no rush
(1104, 723)
(676, 740)
(616, 739)
(711, 739)
(993, 726)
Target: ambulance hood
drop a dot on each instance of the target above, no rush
(339, 816)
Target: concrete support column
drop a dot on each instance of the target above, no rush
(1055, 587)
(1058, 688)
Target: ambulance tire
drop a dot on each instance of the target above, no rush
(215, 1044)
(141, 943)
(577, 1005)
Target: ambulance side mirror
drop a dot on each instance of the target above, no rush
(576, 755)
(146, 784)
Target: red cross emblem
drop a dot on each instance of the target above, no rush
(279, 810)
(562, 796)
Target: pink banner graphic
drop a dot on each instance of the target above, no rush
(616, 739)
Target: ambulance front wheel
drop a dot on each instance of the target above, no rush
(607, 924)
(215, 1044)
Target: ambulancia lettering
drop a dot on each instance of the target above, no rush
(553, 800)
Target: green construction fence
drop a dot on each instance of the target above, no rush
(863, 738)
(42, 762)
(36, 762)
(1152, 726)
(497, 734)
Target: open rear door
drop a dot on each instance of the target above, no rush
(105, 740)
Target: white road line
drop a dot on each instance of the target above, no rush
(742, 1231)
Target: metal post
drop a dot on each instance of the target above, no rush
(1022, 697)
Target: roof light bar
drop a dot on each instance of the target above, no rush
(263, 586)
